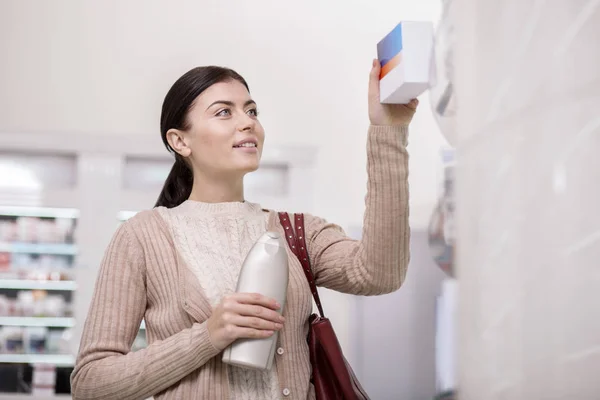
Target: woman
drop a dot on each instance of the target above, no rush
(176, 266)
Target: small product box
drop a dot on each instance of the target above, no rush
(405, 55)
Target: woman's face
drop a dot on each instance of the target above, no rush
(225, 138)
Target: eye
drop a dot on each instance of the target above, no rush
(253, 112)
(224, 113)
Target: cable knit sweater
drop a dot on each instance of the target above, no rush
(154, 269)
(213, 242)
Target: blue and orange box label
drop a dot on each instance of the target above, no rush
(389, 51)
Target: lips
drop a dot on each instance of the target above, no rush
(248, 143)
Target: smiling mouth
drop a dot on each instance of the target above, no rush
(251, 145)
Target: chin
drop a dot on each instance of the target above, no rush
(245, 169)
(252, 168)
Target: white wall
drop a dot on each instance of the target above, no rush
(527, 195)
(104, 67)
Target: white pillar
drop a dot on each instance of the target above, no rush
(528, 198)
(99, 189)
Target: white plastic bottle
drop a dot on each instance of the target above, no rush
(265, 271)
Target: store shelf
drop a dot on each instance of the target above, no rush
(37, 284)
(63, 360)
(38, 321)
(39, 248)
(40, 212)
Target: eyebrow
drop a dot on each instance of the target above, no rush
(231, 103)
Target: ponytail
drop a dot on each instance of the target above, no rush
(178, 185)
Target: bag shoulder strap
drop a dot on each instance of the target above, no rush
(297, 243)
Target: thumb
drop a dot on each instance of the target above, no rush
(374, 79)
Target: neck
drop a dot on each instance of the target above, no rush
(217, 190)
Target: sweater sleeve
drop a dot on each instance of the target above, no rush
(377, 263)
(105, 367)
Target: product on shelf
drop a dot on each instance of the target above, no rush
(8, 230)
(36, 247)
(35, 338)
(43, 380)
(4, 305)
(55, 306)
(12, 339)
(36, 266)
(54, 342)
(26, 304)
(34, 303)
(36, 230)
(5, 262)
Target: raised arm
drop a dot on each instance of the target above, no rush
(377, 263)
(106, 368)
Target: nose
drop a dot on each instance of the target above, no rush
(246, 123)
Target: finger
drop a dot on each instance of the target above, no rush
(256, 299)
(374, 79)
(248, 310)
(249, 333)
(413, 104)
(256, 323)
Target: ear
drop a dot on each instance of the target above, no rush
(177, 141)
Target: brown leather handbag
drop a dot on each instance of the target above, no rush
(332, 376)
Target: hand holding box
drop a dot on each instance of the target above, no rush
(405, 55)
